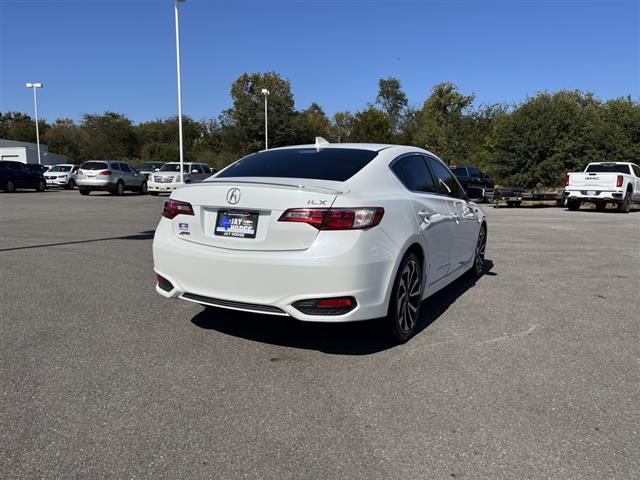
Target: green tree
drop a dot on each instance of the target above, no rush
(246, 116)
(21, 127)
(371, 125)
(342, 126)
(444, 126)
(392, 100)
(545, 137)
(108, 136)
(63, 138)
(312, 123)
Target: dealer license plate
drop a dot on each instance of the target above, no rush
(591, 192)
(236, 224)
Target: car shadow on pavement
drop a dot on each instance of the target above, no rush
(146, 235)
(355, 338)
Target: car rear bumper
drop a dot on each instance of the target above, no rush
(97, 184)
(595, 195)
(359, 264)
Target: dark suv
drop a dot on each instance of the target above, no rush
(17, 175)
(477, 185)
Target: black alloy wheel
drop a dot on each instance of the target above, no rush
(404, 307)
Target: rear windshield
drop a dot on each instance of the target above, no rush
(337, 164)
(608, 168)
(94, 166)
(60, 168)
(460, 171)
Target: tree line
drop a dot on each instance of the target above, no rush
(533, 143)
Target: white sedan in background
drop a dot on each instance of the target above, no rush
(324, 232)
(63, 175)
(168, 177)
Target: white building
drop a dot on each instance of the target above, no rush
(25, 152)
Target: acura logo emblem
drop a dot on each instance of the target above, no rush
(233, 196)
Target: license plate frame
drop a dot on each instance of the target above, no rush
(236, 224)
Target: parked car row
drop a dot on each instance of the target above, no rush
(113, 176)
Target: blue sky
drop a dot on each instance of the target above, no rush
(119, 55)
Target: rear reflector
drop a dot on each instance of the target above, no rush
(163, 283)
(619, 181)
(335, 218)
(173, 208)
(326, 306)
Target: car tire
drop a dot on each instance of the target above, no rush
(9, 187)
(71, 184)
(406, 296)
(154, 194)
(84, 190)
(118, 190)
(573, 205)
(478, 266)
(144, 189)
(625, 206)
(41, 186)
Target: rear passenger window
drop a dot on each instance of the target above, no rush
(125, 168)
(447, 182)
(115, 166)
(636, 170)
(413, 173)
(206, 169)
(474, 172)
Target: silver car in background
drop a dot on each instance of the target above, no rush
(110, 175)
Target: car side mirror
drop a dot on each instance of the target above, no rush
(194, 171)
(156, 169)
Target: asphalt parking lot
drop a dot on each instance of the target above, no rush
(531, 372)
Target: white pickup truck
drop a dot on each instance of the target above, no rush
(602, 183)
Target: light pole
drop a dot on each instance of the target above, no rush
(265, 92)
(179, 88)
(35, 86)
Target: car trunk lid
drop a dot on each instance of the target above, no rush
(243, 213)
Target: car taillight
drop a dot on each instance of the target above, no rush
(79, 172)
(566, 180)
(619, 181)
(173, 208)
(105, 172)
(335, 218)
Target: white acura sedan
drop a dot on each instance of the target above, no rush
(324, 232)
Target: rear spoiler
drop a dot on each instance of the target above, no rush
(310, 188)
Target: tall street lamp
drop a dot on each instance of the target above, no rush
(179, 88)
(265, 92)
(35, 86)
